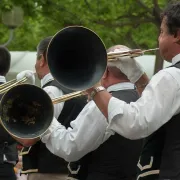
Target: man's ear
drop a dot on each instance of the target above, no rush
(105, 74)
(42, 61)
(178, 37)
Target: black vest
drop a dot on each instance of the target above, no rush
(39, 158)
(116, 158)
(160, 156)
(8, 145)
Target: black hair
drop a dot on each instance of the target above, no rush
(5, 61)
(42, 47)
(172, 15)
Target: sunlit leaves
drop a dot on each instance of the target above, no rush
(129, 22)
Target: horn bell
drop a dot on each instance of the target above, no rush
(26, 111)
(77, 58)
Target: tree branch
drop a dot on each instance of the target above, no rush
(136, 18)
(133, 16)
(156, 12)
(143, 5)
(131, 41)
(62, 8)
(121, 24)
(88, 5)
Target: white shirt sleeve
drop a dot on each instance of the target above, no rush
(158, 103)
(54, 92)
(86, 134)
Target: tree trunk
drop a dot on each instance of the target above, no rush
(158, 63)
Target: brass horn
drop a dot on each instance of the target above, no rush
(8, 85)
(77, 59)
(26, 111)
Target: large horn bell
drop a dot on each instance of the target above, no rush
(26, 111)
(77, 57)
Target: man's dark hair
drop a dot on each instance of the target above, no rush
(5, 61)
(172, 14)
(42, 47)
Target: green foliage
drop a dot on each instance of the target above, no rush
(131, 22)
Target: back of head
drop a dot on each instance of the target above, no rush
(120, 47)
(42, 46)
(113, 66)
(172, 14)
(5, 61)
(41, 66)
(113, 74)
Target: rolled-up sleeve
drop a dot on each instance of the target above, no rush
(86, 134)
(158, 103)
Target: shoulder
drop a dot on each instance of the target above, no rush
(53, 90)
(167, 76)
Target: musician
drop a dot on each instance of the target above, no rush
(111, 156)
(38, 162)
(157, 110)
(8, 150)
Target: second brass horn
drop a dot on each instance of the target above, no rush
(77, 59)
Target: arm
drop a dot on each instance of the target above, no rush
(86, 133)
(139, 119)
(141, 83)
(105, 96)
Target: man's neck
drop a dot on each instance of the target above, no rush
(116, 81)
(121, 86)
(43, 76)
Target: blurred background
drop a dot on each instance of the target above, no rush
(134, 23)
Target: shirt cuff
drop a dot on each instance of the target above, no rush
(115, 107)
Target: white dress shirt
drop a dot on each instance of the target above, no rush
(159, 102)
(53, 92)
(87, 131)
(2, 79)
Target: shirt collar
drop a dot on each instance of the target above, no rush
(176, 59)
(47, 78)
(2, 79)
(121, 86)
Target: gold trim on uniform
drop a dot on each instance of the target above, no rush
(24, 152)
(29, 171)
(148, 166)
(153, 172)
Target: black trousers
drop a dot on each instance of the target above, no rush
(7, 172)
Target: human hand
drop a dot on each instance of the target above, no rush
(88, 91)
(27, 73)
(128, 65)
